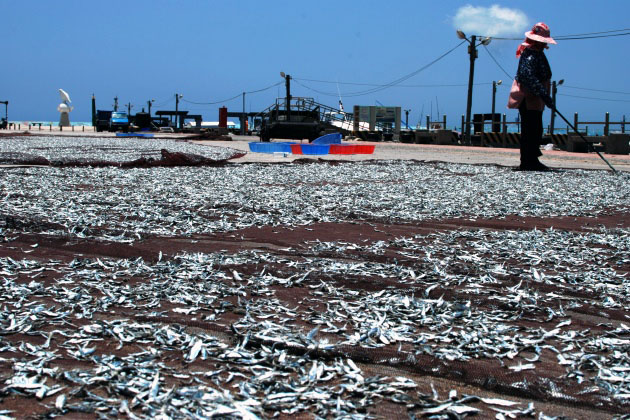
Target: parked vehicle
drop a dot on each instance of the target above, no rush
(102, 120)
(119, 121)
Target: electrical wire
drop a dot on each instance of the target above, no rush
(597, 90)
(406, 77)
(571, 87)
(164, 102)
(497, 63)
(213, 103)
(263, 89)
(380, 84)
(233, 97)
(601, 32)
(596, 99)
(388, 85)
(588, 35)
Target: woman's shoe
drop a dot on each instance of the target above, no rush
(534, 166)
(540, 167)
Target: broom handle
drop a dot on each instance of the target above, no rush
(585, 141)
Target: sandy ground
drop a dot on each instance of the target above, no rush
(399, 151)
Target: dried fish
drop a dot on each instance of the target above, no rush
(448, 296)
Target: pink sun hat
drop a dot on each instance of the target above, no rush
(540, 32)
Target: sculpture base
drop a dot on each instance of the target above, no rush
(64, 119)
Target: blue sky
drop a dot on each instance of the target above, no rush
(213, 50)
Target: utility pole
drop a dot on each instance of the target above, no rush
(116, 104)
(287, 83)
(177, 98)
(472, 51)
(129, 106)
(243, 117)
(93, 111)
(149, 103)
(554, 91)
(494, 97)
(407, 118)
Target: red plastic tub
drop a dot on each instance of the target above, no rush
(342, 149)
(364, 149)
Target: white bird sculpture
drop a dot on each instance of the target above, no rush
(64, 96)
(64, 109)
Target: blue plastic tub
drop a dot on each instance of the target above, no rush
(334, 138)
(260, 147)
(145, 135)
(315, 149)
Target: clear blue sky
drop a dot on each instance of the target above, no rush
(213, 50)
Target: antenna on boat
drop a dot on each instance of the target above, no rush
(437, 107)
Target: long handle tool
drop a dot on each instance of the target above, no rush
(588, 145)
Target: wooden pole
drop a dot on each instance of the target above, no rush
(575, 121)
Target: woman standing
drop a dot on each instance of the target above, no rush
(530, 93)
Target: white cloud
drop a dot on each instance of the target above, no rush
(490, 21)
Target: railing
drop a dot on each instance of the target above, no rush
(576, 123)
(436, 125)
(50, 127)
(606, 123)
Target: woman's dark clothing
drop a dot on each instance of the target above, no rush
(531, 135)
(533, 75)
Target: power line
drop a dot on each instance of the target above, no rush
(601, 32)
(388, 85)
(212, 103)
(596, 99)
(164, 102)
(233, 97)
(588, 35)
(566, 86)
(597, 90)
(380, 84)
(591, 37)
(268, 87)
(573, 87)
(297, 80)
(496, 62)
